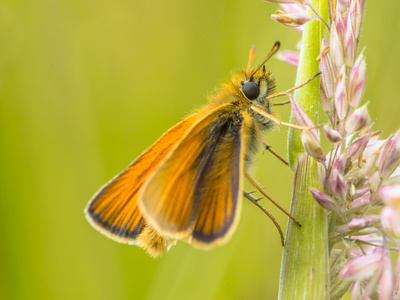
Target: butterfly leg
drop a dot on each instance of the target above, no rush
(279, 122)
(260, 189)
(281, 103)
(291, 90)
(255, 201)
(269, 148)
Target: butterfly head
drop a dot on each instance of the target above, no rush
(257, 86)
(254, 88)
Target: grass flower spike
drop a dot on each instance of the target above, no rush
(355, 181)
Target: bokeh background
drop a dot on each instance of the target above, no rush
(86, 86)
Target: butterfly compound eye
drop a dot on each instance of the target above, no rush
(251, 90)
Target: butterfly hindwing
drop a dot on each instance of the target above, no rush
(114, 208)
(196, 191)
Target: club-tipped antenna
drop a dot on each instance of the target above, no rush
(252, 53)
(273, 50)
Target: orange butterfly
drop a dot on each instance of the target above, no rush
(188, 184)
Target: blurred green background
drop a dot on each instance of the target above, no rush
(86, 86)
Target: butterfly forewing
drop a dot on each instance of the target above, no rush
(114, 208)
(219, 191)
(199, 180)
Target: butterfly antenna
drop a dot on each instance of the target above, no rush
(251, 56)
(273, 50)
